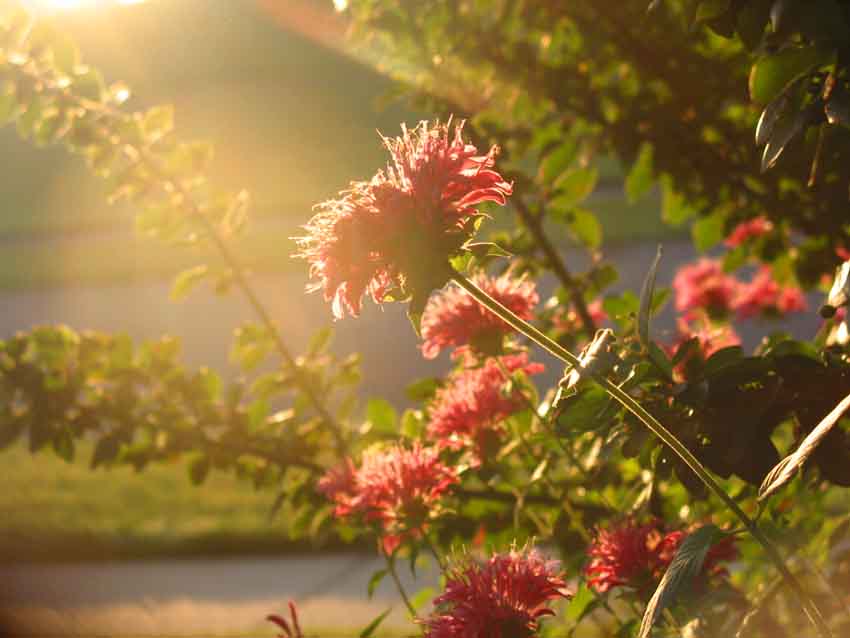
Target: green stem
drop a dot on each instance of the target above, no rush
(401, 591)
(525, 328)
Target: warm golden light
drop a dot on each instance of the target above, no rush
(66, 5)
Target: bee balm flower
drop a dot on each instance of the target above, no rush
(454, 318)
(393, 235)
(504, 597)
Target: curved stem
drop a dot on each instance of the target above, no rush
(399, 587)
(630, 404)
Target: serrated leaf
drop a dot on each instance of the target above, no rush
(482, 249)
(685, 566)
(646, 293)
(372, 626)
(707, 232)
(639, 180)
(784, 131)
(769, 118)
(787, 467)
(186, 280)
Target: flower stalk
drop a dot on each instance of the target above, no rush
(629, 403)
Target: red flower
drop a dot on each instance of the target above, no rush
(625, 555)
(292, 630)
(395, 233)
(501, 598)
(763, 295)
(704, 285)
(467, 411)
(637, 556)
(755, 227)
(396, 487)
(454, 318)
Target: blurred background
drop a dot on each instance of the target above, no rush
(293, 115)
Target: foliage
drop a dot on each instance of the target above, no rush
(485, 458)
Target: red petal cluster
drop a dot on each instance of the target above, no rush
(454, 318)
(743, 232)
(636, 555)
(712, 337)
(412, 215)
(704, 285)
(399, 488)
(468, 410)
(763, 295)
(503, 597)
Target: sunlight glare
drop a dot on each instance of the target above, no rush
(68, 5)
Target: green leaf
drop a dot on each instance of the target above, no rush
(422, 389)
(585, 227)
(186, 280)
(320, 341)
(422, 597)
(582, 603)
(772, 73)
(574, 186)
(412, 425)
(375, 580)
(685, 566)
(646, 293)
(63, 445)
(639, 180)
(674, 209)
(372, 626)
(787, 467)
(382, 416)
(707, 232)
(556, 162)
(257, 413)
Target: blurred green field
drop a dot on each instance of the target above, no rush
(53, 510)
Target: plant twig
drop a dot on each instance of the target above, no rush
(534, 223)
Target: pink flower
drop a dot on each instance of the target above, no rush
(637, 555)
(625, 555)
(504, 597)
(568, 321)
(453, 318)
(395, 233)
(467, 412)
(704, 285)
(398, 488)
(763, 295)
(743, 232)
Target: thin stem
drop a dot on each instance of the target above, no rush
(525, 328)
(535, 225)
(401, 591)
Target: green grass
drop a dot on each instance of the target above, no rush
(53, 510)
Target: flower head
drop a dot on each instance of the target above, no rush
(704, 285)
(636, 555)
(504, 597)
(764, 295)
(395, 233)
(625, 555)
(712, 337)
(398, 488)
(467, 412)
(454, 318)
(743, 232)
